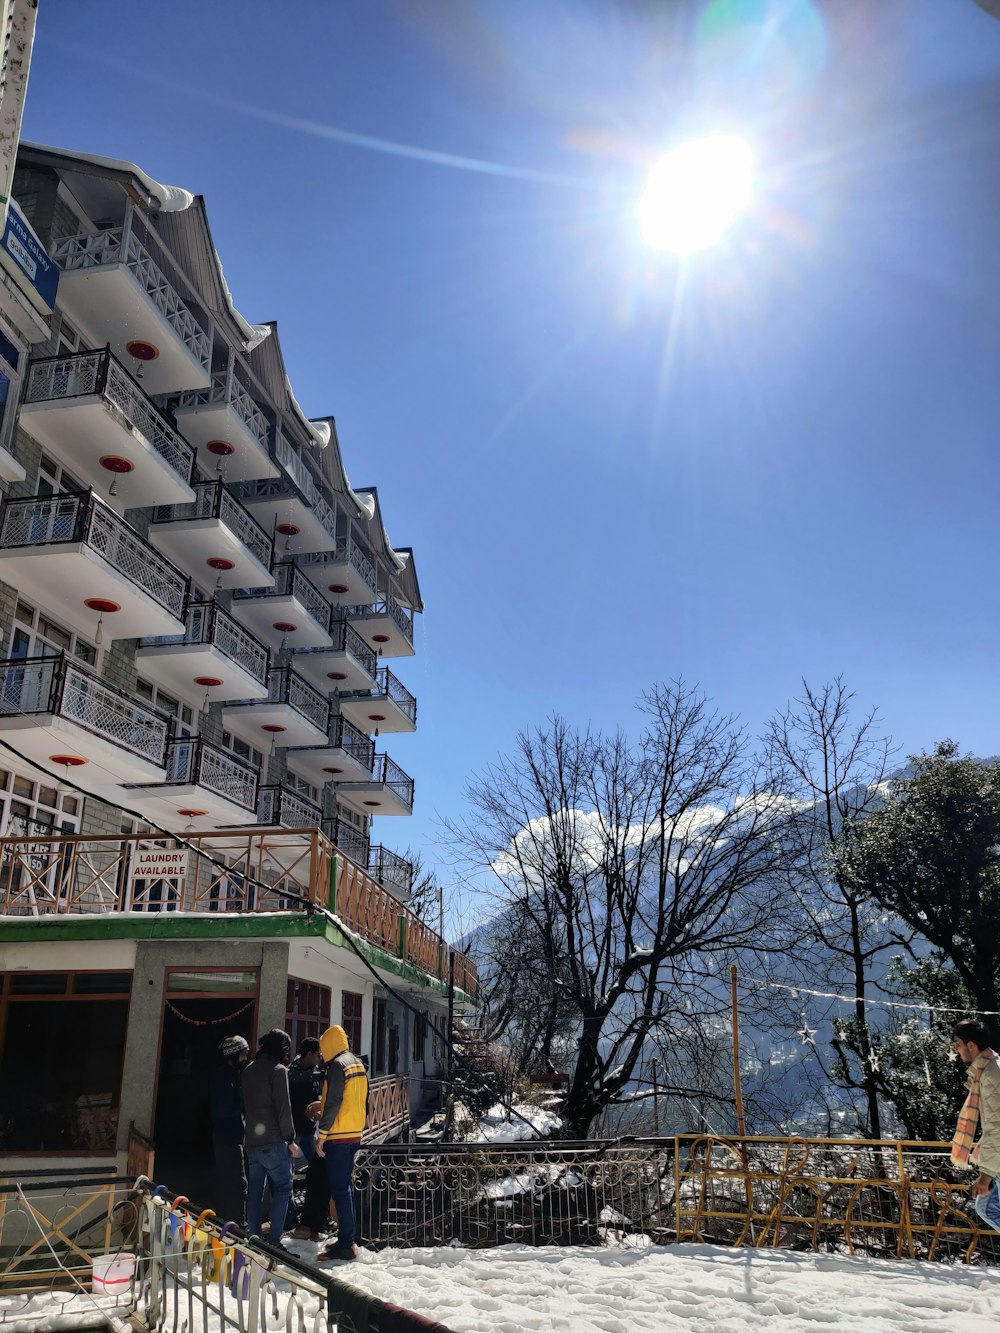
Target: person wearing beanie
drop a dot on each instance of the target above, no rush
(341, 1124)
(270, 1132)
(227, 1131)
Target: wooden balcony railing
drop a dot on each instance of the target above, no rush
(388, 1107)
(239, 871)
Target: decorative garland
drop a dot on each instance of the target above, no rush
(209, 1022)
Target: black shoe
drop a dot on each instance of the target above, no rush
(343, 1254)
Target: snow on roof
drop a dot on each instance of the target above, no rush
(170, 198)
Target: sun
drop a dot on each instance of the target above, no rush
(695, 192)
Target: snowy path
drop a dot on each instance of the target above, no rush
(697, 1288)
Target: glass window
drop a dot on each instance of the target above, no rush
(307, 1010)
(211, 981)
(350, 1009)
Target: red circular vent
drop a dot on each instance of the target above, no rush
(380, 638)
(102, 604)
(333, 770)
(220, 563)
(115, 463)
(272, 727)
(208, 681)
(337, 587)
(373, 802)
(288, 529)
(192, 814)
(69, 760)
(285, 626)
(221, 448)
(336, 675)
(376, 717)
(140, 350)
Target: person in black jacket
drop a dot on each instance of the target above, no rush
(230, 1200)
(270, 1132)
(305, 1088)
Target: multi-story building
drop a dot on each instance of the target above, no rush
(199, 707)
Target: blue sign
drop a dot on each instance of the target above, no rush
(23, 254)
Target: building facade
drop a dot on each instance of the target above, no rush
(199, 708)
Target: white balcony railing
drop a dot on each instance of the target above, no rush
(59, 378)
(207, 623)
(212, 500)
(42, 520)
(60, 686)
(192, 760)
(227, 391)
(281, 807)
(132, 245)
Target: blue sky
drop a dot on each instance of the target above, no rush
(778, 459)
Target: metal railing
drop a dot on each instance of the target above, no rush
(286, 686)
(206, 622)
(61, 686)
(346, 552)
(390, 870)
(236, 870)
(289, 581)
(346, 639)
(388, 686)
(348, 840)
(352, 740)
(283, 808)
(212, 500)
(79, 374)
(226, 390)
(192, 759)
(400, 615)
(45, 520)
(390, 775)
(131, 245)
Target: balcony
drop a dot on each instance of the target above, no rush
(227, 428)
(387, 707)
(214, 540)
(346, 753)
(124, 289)
(292, 714)
(204, 784)
(280, 807)
(83, 563)
(346, 573)
(215, 656)
(389, 791)
(393, 872)
(291, 506)
(89, 413)
(290, 614)
(347, 664)
(58, 713)
(349, 841)
(385, 624)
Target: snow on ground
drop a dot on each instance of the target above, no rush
(695, 1288)
(499, 1126)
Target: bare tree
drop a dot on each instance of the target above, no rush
(628, 875)
(833, 765)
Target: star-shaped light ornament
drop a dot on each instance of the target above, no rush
(873, 1063)
(807, 1033)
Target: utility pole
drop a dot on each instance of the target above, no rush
(656, 1100)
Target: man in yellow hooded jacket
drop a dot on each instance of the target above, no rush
(338, 1137)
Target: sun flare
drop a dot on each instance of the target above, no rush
(695, 192)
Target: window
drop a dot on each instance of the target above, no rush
(53, 479)
(30, 809)
(294, 783)
(350, 1020)
(10, 382)
(35, 635)
(307, 1010)
(69, 339)
(419, 1035)
(243, 749)
(69, 1103)
(167, 706)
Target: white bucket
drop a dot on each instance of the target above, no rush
(113, 1274)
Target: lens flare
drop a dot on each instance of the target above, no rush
(695, 192)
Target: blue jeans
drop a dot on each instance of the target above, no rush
(307, 1144)
(339, 1158)
(988, 1206)
(273, 1163)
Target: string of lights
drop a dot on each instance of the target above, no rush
(870, 1001)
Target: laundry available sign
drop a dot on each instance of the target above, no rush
(156, 878)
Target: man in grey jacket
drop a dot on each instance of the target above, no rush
(982, 1109)
(270, 1132)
